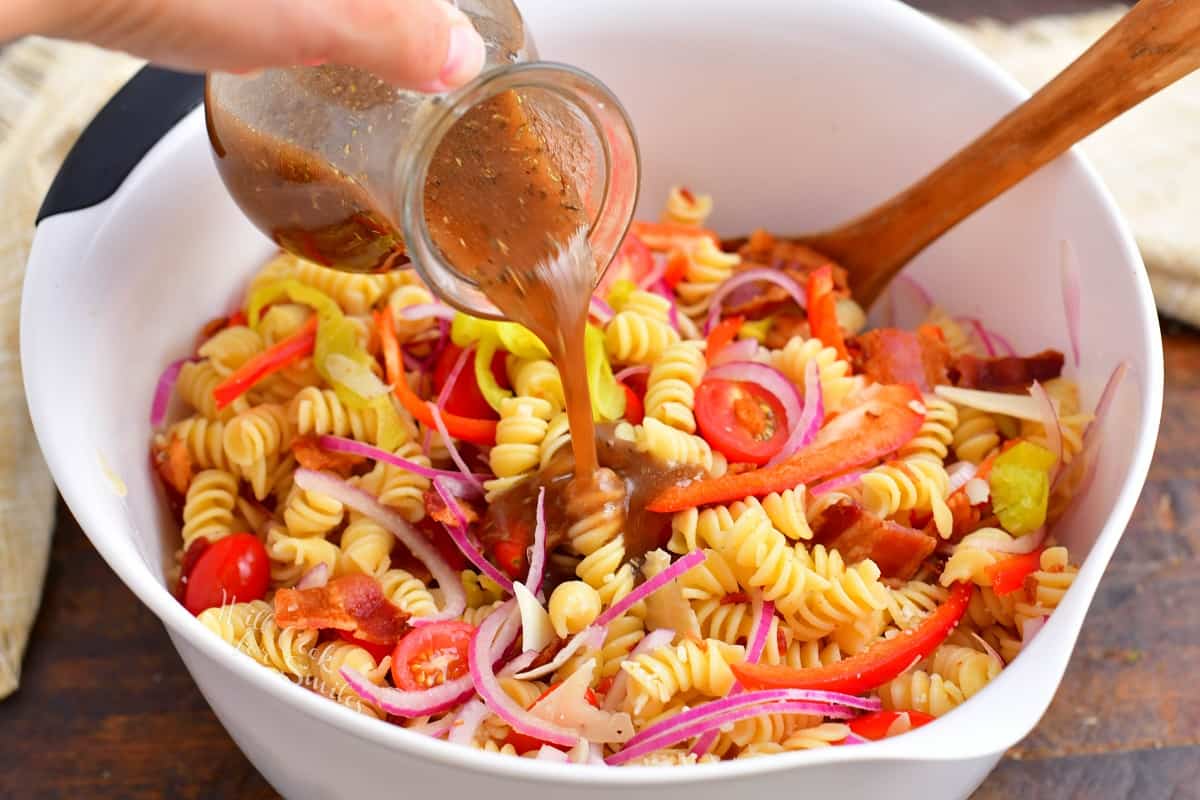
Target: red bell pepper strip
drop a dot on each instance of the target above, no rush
(822, 310)
(296, 346)
(476, 431)
(635, 412)
(676, 270)
(1009, 575)
(872, 668)
(884, 421)
(721, 335)
(877, 725)
(666, 236)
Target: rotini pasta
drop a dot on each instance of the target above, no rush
(208, 507)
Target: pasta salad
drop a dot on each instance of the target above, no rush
(817, 534)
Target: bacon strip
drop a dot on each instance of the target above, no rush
(857, 534)
(353, 603)
(891, 355)
(311, 455)
(795, 260)
(1006, 373)
(174, 465)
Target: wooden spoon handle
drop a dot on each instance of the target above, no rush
(1152, 46)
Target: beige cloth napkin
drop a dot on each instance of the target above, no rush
(1149, 158)
(48, 93)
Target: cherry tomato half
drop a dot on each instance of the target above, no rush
(465, 399)
(233, 569)
(431, 655)
(633, 262)
(742, 420)
(524, 743)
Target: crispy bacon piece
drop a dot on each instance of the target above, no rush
(438, 512)
(795, 260)
(174, 465)
(352, 603)
(891, 355)
(854, 532)
(784, 326)
(1006, 373)
(311, 455)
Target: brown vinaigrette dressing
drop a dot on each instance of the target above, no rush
(498, 207)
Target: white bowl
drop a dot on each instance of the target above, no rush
(794, 115)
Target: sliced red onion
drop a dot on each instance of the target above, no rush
(749, 276)
(764, 699)
(717, 721)
(648, 644)
(414, 364)
(425, 311)
(763, 614)
(315, 578)
(466, 723)
(811, 416)
(591, 637)
(437, 729)
(513, 668)
(497, 700)
(452, 378)
(1030, 628)
(833, 484)
(649, 587)
(1091, 435)
(454, 595)
(601, 310)
(958, 474)
(741, 350)
(1054, 434)
(339, 444)
(660, 288)
(987, 648)
(452, 449)
(548, 753)
(977, 490)
(994, 344)
(768, 378)
(655, 275)
(409, 704)
(1071, 292)
(915, 286)
(630, 372)
(162, 392)
(458, 532)
(854, 738)
(537, 555)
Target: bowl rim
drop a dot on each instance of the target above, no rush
(911, 748)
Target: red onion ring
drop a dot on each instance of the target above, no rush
(425, 311)
(452, 449)
(163, 390)
(854, 738)
(811, 416)
(1091, 435)
(466, 723)
(437, 729)
(452, 378)
(422, 703)
(916, 288)
(629, 372)
(751, 276)
(770, 379)
(339, 444)
(833, 484)
(741, 350)
(484, 679)
(537, 558)
(649, 587)
(458, 533)
(660, 288)
(601, 310)
(717, 721)
(1050, 421)
(315, 578)
(1071, 292)
(448, 579)
(1031, 628)
(649, 643)
(657, 270)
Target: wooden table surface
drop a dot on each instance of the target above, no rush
(106, 709)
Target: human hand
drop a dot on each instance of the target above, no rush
(428, 45)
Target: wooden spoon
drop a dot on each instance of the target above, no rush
(1154, 45)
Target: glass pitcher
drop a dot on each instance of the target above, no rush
(343, 169)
